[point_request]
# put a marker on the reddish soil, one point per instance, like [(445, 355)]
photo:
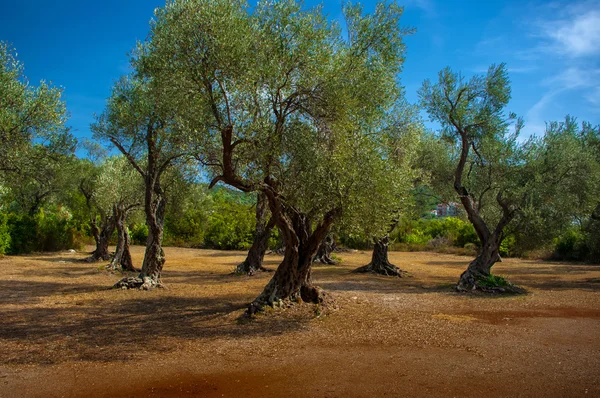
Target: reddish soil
[(63, 333)]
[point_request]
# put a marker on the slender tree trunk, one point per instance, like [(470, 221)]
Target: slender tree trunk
[(122, 258), (254, 261), (154, 257), (326, 247), (292, 279), (380, 264), (102, 237)]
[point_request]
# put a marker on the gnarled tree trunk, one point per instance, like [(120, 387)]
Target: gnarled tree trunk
[(292, 279), (122, 258), (380, 264), (326, 247), (154, 257), (254, 261), (102, 237)]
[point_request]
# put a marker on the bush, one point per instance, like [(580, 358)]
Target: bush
[(139, 234), (4, 234), (23, 233), (47, 231), (571, 245), (494, 281), (56, 231)]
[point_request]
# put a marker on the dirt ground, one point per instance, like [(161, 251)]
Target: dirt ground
[(64, 334)]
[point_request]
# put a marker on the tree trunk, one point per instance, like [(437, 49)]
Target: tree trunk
[(292, 280), (122, 258), (154, 257), (326, 247), (380, 263), (102, 237), (479, 269), (254, 261)]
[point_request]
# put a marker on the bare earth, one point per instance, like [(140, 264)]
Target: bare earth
[(63, 334)]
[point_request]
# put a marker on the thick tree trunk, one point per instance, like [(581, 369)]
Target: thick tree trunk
[(154, 257), (478, 273), (380, 263), (102, 237), (254, 261), (326, 247), (292, 280), (122, 258), (480, 268)]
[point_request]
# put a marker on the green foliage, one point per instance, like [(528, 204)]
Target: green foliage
[(4, 234), (28, 113), (139, 234), (454, 231), (494, 281), (230, 225), (23, 233), (46, 231), (572, 245)]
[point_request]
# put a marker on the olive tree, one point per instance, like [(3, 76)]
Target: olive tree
[(400, 139), (143, 126), (27, 114), (281, 102), (502, 183), (118, 191)]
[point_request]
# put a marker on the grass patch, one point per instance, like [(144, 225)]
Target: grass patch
[(494, 281)]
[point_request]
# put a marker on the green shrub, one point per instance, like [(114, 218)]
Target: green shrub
[(139, 234), (4, 234), (55, 231), (571, 245), (494, 281), (23, 233)]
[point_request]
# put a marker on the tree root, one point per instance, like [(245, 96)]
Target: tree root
[(118, 268), (382, 269), (468, 283), (307, 294), (138, 283), (243, 269)]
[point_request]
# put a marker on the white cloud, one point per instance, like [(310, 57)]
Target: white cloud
[(576, 33)]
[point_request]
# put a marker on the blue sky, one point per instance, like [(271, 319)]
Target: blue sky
[(552, 49)]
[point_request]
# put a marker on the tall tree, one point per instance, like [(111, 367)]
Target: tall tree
[(284, 104), (499, 180), (143, 126)]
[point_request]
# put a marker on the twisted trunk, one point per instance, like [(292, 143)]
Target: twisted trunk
[(326, 247), (256, 254), (122, 258), (102, 237), (292, 279), (154, 257), (479, 270), (380, 263)]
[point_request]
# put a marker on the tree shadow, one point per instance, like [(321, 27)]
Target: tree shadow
[(107, 333), (27, 292)]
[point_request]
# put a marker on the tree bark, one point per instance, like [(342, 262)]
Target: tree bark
[(254, 261), (480, 268), (122, 258), (326, 247), (154, 257), (102, 237), (292, 280), (380, 263)]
